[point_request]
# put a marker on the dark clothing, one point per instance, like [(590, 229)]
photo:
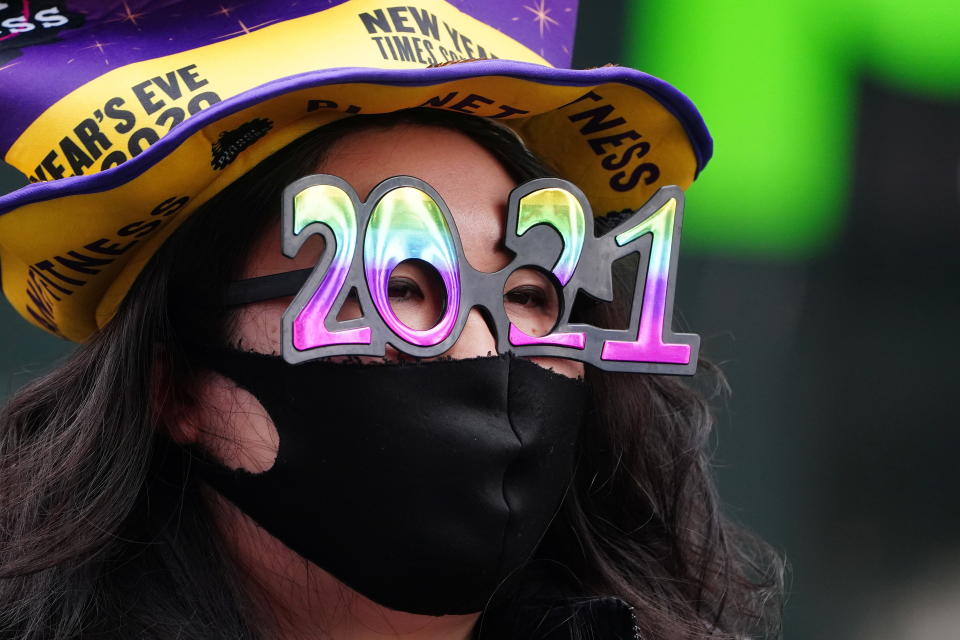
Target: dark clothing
[(586, 619), (543, 603)]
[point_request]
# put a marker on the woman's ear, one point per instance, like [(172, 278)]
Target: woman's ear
[(169, 403)]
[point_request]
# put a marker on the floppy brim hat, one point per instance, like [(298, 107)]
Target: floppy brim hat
[(127, 116)]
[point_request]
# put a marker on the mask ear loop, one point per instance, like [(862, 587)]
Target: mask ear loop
[(261, 288)]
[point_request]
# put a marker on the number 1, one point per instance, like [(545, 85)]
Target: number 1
[(649, 345)]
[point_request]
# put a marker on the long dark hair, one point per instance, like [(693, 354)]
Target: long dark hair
[(104, 532)]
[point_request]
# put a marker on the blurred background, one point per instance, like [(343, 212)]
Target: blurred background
[(821, 265)]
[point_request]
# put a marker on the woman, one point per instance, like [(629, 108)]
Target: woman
[(125, 516), (640, 521)]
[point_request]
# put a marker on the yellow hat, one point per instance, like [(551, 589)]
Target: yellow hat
[(126, 117)]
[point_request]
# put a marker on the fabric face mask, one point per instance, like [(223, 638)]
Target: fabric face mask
[(421, 486)]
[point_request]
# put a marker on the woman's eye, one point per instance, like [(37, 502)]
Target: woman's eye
[(403, 289), (526, 296)]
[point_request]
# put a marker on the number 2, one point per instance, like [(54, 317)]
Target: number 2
[(561, 210), (329, 205)]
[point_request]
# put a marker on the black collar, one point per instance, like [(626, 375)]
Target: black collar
[(603, 618), (545, 601)]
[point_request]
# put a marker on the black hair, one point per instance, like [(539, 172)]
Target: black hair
[(104, 531)]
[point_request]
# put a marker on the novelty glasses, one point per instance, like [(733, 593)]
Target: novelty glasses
[(397, 260)]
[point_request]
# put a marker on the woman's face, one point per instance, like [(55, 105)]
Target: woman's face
[(475, 187), (231, 424)]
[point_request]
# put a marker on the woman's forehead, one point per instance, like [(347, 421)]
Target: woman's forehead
[(470, 179), (450, 161)]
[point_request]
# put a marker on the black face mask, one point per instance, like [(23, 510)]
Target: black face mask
[(421, 486)]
